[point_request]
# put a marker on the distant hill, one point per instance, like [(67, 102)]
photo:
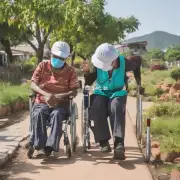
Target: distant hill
[(157, 39)]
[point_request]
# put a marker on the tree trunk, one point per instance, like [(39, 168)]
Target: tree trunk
[(7, 48), (39, 53), (72, 58)]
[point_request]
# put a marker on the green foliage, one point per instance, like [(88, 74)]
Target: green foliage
[(36, 18), (153, 91), (173, 53), (10, 94), (155, 54), (149, 82), (30, 65), (175, 74), (168, 168), (87, 26), (166, 130), (84, 25), (163, 109)]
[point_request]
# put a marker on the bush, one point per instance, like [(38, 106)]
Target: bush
[(28, 68), (163, 109), (153, 91), (30, 65), (10, 94), (175, 74)]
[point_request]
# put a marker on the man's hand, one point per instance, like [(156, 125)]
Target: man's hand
[(140, 90), (85, 67), (50, 100)]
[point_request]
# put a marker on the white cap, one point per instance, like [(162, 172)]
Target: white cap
[(61, 49), (104, 55)]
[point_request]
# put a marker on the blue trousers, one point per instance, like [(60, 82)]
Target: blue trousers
[(41, 116)]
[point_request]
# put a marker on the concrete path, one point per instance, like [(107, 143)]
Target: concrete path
[(90, 166), (10, 137)]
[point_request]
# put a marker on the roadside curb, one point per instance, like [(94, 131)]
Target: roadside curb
[(8, 154), (4, 122)]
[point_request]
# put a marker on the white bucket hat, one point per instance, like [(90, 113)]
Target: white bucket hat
[(104, 55), (61, 49)]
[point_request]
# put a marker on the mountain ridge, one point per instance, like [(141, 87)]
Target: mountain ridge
[(157, 39)]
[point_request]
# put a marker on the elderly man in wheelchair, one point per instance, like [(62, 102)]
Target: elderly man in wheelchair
[(110, 94), (53, 81)]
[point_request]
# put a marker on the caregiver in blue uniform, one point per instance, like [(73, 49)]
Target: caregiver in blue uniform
[(110, 95)]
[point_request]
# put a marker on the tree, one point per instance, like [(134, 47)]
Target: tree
[(173, 53), (37, 17), (155, 54), (87, 26), (11, 35)]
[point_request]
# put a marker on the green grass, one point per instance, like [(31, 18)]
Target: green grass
[(151, 79), (10, 93), (167, 168), (149, 82), (166, 130), (160, 109)]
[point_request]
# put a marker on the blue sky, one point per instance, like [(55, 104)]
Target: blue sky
[(154, 15)]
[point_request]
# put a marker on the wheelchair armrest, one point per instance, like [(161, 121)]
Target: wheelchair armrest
[(32, 94), (71, 98)]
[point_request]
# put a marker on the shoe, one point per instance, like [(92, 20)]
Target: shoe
[(48, 150), (105, 147), (40, 153), (119, 152), (30, 151)]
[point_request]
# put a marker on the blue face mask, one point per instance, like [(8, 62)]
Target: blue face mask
[(57, 63)]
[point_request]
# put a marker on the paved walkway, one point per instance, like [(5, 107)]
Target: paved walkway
[(10, 137), (93, 165)]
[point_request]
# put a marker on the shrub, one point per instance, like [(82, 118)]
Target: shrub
[(153, 91), (28, 68), (30, 65), (163, 109), (175, 74), (10, 94)]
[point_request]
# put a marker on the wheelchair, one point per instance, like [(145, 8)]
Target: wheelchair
[(70, 120), (139, 126), (85, 119)]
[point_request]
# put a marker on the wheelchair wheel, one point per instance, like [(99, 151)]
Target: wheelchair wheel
[(73, 130), (67, 150), (85, 130), (139, 118)]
